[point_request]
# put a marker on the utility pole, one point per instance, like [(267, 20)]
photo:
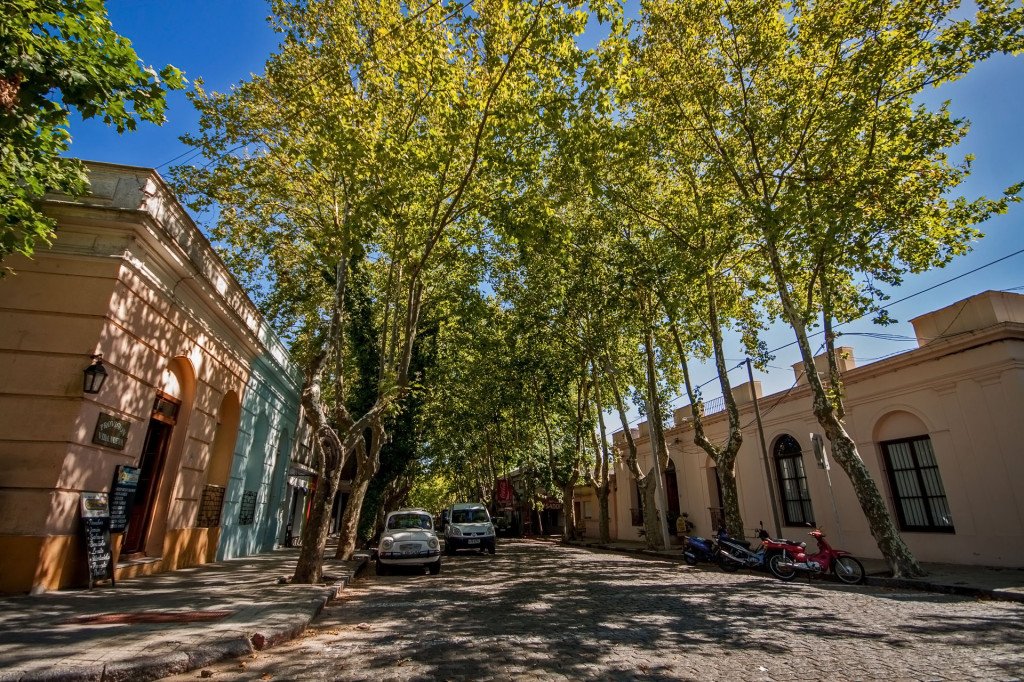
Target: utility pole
[(764, 454)]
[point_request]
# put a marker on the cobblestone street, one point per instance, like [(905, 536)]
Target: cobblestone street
[(544, 611)]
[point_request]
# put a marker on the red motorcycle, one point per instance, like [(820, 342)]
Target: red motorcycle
[(786, 558)]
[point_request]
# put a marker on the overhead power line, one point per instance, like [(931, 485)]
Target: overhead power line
[(878, 335)]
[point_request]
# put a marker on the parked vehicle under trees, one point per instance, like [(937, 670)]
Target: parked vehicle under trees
[(810, 112)]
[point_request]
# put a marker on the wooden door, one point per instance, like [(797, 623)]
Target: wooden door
[(151, 466)]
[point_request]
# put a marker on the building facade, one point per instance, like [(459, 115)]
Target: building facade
[(200, 403), (939, 428)]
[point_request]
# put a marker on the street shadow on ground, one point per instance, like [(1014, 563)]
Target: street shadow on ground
[(243, 592), (527, 613)]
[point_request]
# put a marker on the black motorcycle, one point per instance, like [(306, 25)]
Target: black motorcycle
[(735, 553)]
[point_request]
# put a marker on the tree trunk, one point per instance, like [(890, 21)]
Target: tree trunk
[(602, 463), (659, 449), (367, 462), (724, 456), (844, 449), (599, 480), (330, 452), (569, 513), (604, 530), (631, 457), (652, 516), (309, 568), (350, 519)]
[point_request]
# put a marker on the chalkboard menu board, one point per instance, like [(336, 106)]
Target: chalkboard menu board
[(96, 528), (122, 494)]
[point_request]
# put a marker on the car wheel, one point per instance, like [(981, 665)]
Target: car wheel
[(382, 568), (435, 567), (492, 549)]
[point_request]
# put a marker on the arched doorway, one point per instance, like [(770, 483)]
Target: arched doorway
[(166, 413), (151, 467)]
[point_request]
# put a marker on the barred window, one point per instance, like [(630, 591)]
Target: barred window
[(211, 506), (793, 491), (247, 510), (916, 485)]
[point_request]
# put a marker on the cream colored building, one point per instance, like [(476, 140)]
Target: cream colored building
[(939, 427), (200, 395)]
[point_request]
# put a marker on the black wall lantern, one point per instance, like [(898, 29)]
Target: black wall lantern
[(95, 375)]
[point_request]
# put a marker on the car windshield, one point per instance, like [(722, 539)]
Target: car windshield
[(469, 516), (400, 521)]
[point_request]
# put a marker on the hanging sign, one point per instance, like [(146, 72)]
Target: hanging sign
[(503, 493), (819, 451), (96, 529), (122, 495)]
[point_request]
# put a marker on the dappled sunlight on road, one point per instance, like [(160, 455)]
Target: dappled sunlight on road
[(543, 610)]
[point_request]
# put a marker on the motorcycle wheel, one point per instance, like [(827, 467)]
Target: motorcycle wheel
[(778, 567), (727, 564), (848, 570)]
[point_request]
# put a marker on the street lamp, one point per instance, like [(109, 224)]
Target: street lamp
[(95, 375)]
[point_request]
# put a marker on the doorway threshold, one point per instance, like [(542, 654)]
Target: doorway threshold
[(126, 562)]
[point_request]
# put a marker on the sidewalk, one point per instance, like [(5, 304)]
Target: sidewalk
[(1005, 584), (160, 625)]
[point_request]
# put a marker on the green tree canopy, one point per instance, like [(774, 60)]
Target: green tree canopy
[(55, 56)]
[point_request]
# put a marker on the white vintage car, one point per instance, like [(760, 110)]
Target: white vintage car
[(408, 539)]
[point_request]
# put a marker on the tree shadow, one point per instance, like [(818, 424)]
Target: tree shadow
[(523, 612)]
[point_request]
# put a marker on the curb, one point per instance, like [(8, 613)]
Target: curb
[(871, 581), (955, 590), (184, 661)]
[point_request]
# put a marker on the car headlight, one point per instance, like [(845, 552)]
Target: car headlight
[(432, 543), (454, 530), (387, 543)]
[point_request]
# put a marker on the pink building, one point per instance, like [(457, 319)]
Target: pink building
[(200, 401), (939, 427)]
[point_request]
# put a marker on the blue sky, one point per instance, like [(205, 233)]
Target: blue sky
[(223, 41)]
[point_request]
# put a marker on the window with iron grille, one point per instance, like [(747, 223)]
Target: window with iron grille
[(789, 469), (210, 507), (247, 511), (916, 485)]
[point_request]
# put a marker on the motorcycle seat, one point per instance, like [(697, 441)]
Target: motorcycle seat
[(735, 541)]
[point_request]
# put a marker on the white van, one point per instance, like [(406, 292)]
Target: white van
[(468, 527)]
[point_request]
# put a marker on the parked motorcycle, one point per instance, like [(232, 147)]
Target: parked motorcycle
[(697, 549), (787, 558), (734, 554)]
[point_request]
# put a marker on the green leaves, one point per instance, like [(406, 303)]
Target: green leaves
[(56, 55), (543, 203)]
